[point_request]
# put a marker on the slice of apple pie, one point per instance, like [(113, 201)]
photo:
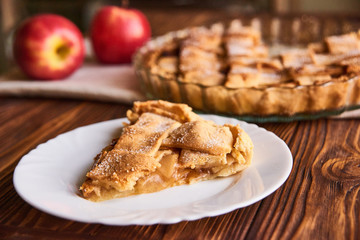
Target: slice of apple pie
[(165, 145)]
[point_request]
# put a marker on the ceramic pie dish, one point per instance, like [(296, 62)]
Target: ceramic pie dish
[(262, 70)]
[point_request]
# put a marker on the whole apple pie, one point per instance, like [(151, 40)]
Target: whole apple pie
[(228, 69), (165, 145)]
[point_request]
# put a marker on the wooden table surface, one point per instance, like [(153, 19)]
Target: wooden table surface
[(320, 199)]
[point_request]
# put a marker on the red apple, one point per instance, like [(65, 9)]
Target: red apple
[(117, 32), (48, 47)]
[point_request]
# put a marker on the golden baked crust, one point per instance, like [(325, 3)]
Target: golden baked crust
[(165, 145), (178, 112), (228, 69)]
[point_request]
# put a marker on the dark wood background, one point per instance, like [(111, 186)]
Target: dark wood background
[(320, 199)]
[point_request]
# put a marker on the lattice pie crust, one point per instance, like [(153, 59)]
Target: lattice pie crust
[(165, 145), (228, 69)]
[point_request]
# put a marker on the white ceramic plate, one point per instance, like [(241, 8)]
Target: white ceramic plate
[(49, 176)]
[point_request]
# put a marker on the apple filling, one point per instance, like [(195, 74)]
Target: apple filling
[(157, 152)]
